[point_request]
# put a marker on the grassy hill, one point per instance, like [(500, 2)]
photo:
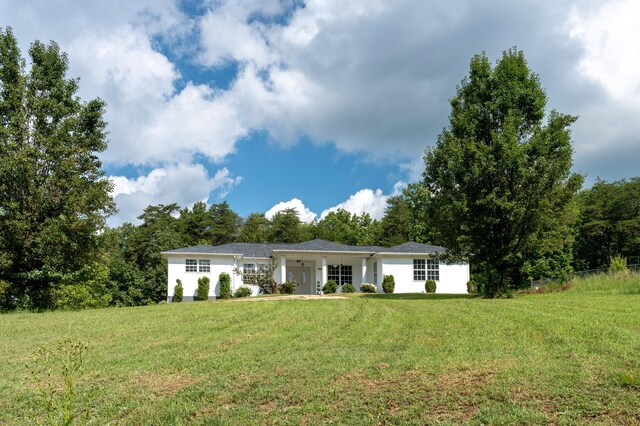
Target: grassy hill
[(565, 358)]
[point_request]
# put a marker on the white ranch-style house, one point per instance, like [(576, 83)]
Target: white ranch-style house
[(312, 263)]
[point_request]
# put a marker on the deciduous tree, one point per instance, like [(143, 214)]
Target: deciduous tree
[(53, 194), (500, 185)]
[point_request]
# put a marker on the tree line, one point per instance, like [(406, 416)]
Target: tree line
[(497, 189)]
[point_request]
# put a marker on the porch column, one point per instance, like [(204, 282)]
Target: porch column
[(283, 269), (364, 270), (233, 274), (324, 270)]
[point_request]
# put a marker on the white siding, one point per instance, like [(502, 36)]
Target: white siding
[(453, 278)]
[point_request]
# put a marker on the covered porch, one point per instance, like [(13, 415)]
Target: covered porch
[(311, 271)]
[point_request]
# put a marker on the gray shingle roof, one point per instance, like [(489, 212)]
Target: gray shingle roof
[(266, 250)]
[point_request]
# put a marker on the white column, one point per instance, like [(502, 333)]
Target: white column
[(283, 269), (233, 274), (324, 270), (364, 270)]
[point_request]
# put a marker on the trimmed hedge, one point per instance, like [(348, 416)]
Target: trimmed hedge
[(388, 284), (243, 291), (178, 292), (225, 285), (368, 288), (287, 287), (430, 286), (330, 287), (348, 288), (203, 288)]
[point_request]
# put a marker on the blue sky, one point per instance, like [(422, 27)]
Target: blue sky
[(322, 104)]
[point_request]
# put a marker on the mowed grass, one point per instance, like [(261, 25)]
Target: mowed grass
[(561, 358)]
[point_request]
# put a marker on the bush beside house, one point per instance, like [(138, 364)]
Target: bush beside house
[(348, 288), (243, 291), (225, 285), (430, 286), (178, 291), (330, 287), (368, 288), (388, 284), (287, 287), (203, 288)]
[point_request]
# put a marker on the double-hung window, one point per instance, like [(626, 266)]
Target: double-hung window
[(419, 270), (249, 268), (191, 265), (341, 274), (204, 265), (433, 269), (426, 269)]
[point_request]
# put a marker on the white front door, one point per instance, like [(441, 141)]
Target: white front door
[(302, 279)]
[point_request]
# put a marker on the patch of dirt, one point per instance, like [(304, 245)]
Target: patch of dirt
[(287, 297), (451, 396), (163, 385)]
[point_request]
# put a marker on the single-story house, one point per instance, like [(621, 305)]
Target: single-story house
[(312, 263)]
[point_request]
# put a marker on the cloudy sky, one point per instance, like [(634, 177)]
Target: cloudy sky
[(323, 104)]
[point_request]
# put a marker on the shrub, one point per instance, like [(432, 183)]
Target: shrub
[(287, 287), (330, 287), (618, 264), (430, 286), (243, 291), (388, 284), (203, 288), (368, 288), (348, 288), (472, 287), (178, 291), (225, 285)]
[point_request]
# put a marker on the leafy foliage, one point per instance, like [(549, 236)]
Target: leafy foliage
[(53, 194), (262, 277), (472, 287), (288, 287), (368, 288), (618, 264), (242, 291), (501, 190), (178, 292), (388, 284), (348, 288), (330, 287), (609, 224), (430, 286), (225, 285), (203, 288)]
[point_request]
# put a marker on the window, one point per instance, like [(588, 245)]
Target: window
[(341, 274), (249, 268), (433, 269), (191, 265), (419, 270), (426, 269), (375, 273), (204, 265)]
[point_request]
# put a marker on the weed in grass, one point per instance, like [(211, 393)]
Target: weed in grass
[(627, 380), (55, 373)]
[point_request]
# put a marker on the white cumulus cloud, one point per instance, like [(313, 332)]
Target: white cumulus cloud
[(183, 184), (305, 214)]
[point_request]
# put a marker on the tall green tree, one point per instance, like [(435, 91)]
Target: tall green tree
[(340, 226), (396, 223), (54, 197), (501, 190), (286, 227), (225, 224), (609, 224), (158, 232), (254, 229)]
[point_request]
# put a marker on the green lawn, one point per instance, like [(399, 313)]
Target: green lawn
[(564, 358)]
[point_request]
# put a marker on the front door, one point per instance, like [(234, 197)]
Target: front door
[(302, 279)]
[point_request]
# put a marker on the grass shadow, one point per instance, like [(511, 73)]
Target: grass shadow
[(418, 296)]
